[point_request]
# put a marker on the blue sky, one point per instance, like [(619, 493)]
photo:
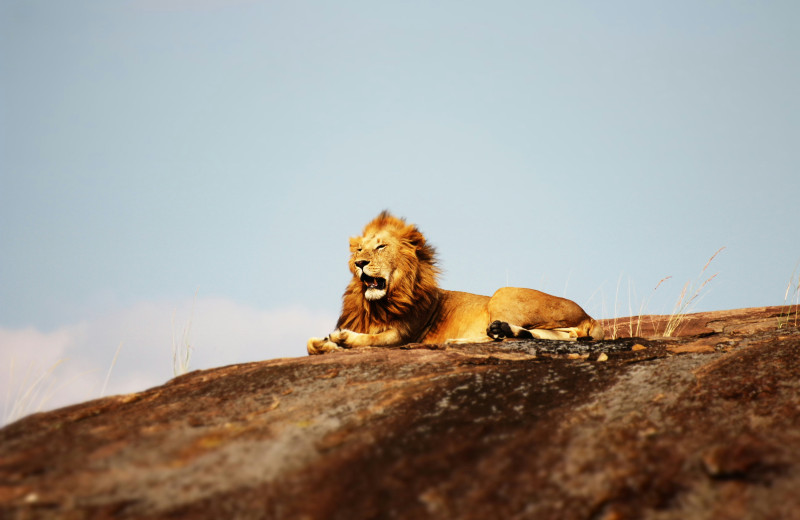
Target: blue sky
[(151, 150)]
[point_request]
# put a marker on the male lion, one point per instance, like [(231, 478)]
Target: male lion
[(394, 299)]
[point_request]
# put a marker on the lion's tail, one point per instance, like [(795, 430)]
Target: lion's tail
[(595, 330)]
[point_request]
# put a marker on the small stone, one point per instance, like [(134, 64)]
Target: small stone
[(602, 357), (638, 346)]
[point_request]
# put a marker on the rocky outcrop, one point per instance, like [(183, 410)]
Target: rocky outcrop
[(704, 425)]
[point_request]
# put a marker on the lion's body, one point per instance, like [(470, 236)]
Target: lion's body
[(461, 316), (394, 298)]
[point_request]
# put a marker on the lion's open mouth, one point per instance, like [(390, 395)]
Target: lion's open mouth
[(373, 283)]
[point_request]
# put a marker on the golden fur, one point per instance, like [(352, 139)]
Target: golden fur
[(394, 298)]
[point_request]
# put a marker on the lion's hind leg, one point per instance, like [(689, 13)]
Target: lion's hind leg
[(500, 330), (528, 313)]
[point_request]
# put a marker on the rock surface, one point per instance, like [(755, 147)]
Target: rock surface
[(704, 425)]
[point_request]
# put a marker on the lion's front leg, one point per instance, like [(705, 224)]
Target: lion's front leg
[(343, 338), (349, 339)]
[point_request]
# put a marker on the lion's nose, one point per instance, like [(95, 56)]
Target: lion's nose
[(361, 263)]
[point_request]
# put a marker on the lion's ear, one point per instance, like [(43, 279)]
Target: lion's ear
[(413, 236), (425, 252)]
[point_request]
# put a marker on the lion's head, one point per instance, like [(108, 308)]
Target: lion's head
[(394, 271)]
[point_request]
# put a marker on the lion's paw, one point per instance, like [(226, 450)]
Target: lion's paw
[(341, 337), (499, 330), (321, 346)]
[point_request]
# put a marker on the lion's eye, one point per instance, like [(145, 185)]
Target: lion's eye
[(380, 247)]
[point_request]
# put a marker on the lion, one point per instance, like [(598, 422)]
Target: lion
[(394, 299)]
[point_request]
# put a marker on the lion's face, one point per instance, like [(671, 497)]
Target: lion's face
[(393, 268), (374, 261)]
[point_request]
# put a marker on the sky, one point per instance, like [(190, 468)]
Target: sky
[(190, 171)]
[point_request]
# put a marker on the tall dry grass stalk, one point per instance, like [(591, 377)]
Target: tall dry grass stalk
[(182, 349), (637, 331), (30, 394), (689, 297), (110, 369), (791, 298), (635, 320)]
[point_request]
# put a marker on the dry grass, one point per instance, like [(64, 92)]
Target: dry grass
[(637, 331), (634, 320), (110, 369), (791, 299), (689, 297), (182, 349), (31, 393)]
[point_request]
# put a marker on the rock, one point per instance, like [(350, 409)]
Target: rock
[(741, 321), (704, 425)]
